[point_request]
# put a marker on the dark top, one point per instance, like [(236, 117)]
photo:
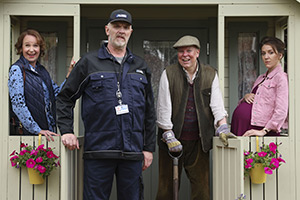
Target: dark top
[(108, 135)]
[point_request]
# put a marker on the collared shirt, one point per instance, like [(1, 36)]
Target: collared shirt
[(16, 92), (164, 104)]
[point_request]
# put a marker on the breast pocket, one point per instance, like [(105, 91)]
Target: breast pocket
[(139, 83), (103, 85), (268, 91)]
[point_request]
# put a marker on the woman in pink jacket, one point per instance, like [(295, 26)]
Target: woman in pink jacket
[(264, 111)]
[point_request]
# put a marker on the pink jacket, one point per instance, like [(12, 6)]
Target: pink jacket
[(270, 106)]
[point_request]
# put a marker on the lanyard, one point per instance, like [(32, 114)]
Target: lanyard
[(119, 93), (119, 78)]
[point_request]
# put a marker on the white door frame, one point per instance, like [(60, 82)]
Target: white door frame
[(71, 10), (267, 10)]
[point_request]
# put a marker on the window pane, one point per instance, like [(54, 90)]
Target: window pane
[(158, 55), (247, 62), (50, 57)]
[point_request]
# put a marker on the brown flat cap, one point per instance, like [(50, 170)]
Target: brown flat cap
[(187, 40)]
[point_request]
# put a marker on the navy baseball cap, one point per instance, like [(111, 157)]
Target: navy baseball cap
[(120, 15)]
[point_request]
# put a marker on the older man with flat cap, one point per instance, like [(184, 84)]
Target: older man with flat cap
[(117, 111), (189, 109)]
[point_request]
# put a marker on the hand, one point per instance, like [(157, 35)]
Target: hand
[(224, 133), (173, 144), (249, 98), (148, 158), (48, 134), (70, 141), (72, 64), (253, 132)]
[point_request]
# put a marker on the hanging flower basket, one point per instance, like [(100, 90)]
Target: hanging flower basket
[(262, 162), (34, 176), (257, 174), (39, 161)]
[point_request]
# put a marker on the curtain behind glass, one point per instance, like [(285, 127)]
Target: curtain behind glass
[(247, 61)]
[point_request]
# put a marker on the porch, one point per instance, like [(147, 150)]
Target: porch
[(66, 182)]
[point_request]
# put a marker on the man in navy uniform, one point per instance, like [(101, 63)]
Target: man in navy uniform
[(117, 111)]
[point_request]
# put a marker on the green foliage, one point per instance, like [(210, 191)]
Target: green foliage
[(41, 159), (267, 156)]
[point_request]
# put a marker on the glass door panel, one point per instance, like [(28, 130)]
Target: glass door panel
[(244, 60), (247, 62), (158, 55), (50, 57), (156, 47)]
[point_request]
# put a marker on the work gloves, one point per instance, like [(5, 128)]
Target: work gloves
[(224, 133), (173, 144)]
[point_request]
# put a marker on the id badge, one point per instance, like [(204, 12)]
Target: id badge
[(122, 109)]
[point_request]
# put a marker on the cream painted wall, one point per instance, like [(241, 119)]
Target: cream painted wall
[(2, 136), (295, 111)]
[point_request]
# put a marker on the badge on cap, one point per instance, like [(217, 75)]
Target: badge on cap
[(121, 16)]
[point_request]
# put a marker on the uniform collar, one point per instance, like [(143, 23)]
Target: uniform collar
[(104, 54)]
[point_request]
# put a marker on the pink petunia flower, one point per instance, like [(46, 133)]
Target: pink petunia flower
[(249, 160), (41, 147), (23, 152), (248, 166), (50, 154), (13, 163), (262, 154), (274, 163), (13, 153), (33, 152), (280, 160), (14, 157), (12, 160), (268, 170), (41, 169), (30, 163), (39, 160), (273, 147), (23, 145), (55, 156), (246, 153)]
